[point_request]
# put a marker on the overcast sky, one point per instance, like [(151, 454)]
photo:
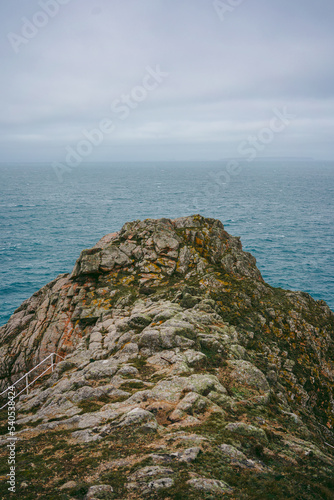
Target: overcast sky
[(166, 79)]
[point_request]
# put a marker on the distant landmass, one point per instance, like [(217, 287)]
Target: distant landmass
[(273, 158)]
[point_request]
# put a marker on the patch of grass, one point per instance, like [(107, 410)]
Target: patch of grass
[(119, 399), (138, 363), (213, 427), (89, 406), (145, 370), (118, 480), (3, 429), (80, 491), (32, 411), (57, 419), (157, 377), (214, 359), (3, 413), (104, 399), (128, 376), (37, 422), (133, 385)]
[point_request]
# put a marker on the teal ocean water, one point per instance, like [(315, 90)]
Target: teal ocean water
[(283, 212)]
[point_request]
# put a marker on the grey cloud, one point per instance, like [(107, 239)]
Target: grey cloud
[(224, 80)]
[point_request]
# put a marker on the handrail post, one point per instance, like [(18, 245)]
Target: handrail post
[(25, 377)]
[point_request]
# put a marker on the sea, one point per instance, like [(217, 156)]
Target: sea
[(283, 210)]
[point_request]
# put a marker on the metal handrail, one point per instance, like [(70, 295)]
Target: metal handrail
[(53, 357)]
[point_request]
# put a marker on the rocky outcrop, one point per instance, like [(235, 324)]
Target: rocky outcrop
[(183, 372)]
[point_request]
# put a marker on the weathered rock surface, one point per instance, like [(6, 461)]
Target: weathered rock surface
[(183, 374)]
